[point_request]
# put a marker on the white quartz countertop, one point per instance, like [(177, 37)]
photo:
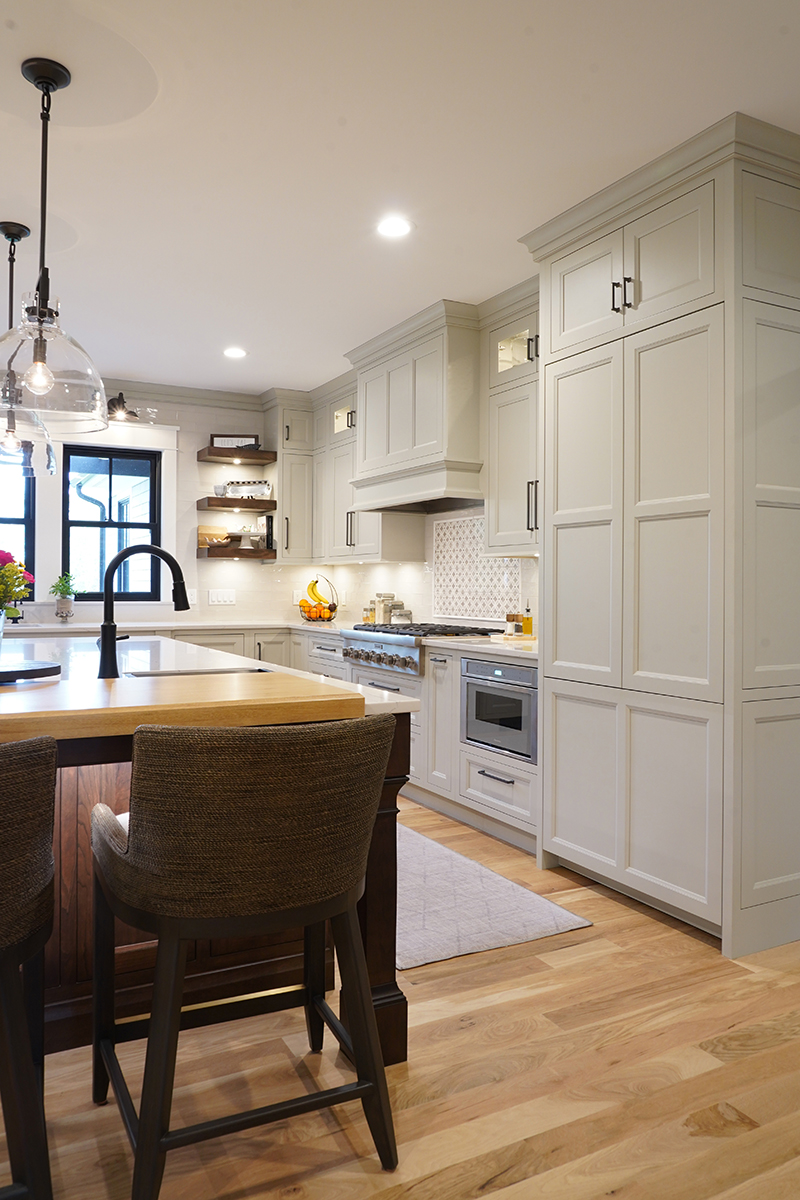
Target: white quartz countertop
[(80, 658), (495, 646)]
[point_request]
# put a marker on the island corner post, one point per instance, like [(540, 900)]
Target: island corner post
[(94, 769)]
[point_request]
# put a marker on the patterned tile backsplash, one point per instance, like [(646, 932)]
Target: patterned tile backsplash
[(467, 583)]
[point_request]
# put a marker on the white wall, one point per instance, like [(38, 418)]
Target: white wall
[(263, 591)]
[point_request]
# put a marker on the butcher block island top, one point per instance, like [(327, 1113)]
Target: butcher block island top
[(184, 685)]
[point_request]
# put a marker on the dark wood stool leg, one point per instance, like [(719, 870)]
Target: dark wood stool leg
[(33, 990), (314, 979), (14, 1139), (364, 1033), (103, 990), (159, 1066), (25, 1096)]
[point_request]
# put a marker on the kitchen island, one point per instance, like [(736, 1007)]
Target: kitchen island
[(168, 682)]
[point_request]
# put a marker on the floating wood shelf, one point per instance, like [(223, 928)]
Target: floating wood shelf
[(236, 552), (242, 456), (231, 503)]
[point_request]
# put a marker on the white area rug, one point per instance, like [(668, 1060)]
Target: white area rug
[(448, 905)]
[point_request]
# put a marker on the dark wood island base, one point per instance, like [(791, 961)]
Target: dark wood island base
[(95, 769)]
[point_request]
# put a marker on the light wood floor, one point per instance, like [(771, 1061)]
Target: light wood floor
[(628, 1059)]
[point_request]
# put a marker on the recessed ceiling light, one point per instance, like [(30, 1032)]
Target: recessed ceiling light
[(235, 352), (394, 226)]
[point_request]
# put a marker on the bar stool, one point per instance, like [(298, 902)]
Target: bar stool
[(238, 833), (27, 798)]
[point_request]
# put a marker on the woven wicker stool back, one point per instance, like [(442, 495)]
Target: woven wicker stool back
[(27, 801), (28, 773), (232, 822)]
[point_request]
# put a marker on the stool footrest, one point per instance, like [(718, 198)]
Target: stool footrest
[(216, 1012), (335, 1025), (264, 1116)]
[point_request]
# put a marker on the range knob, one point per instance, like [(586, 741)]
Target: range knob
[(347, 652), (363, 655), (406, 662), (374, 656), (390, 659)]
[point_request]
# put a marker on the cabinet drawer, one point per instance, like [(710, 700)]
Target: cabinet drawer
[(500, 788), (324, 652)]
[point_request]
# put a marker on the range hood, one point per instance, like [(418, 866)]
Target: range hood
[(417, 423)]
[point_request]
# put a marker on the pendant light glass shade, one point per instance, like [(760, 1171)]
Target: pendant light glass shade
[(45, 371), (25, 441)]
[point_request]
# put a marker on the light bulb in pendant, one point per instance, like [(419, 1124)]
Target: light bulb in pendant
[(10, 441), (38, 378)]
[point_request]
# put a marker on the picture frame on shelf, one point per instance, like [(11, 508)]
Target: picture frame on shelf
[(235, 441)]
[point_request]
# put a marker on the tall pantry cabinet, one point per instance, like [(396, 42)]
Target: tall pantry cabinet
[(670, 690)]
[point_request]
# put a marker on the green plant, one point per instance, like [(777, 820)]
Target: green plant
[(63, 586)]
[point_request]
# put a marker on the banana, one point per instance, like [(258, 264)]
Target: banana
[(315, 593)]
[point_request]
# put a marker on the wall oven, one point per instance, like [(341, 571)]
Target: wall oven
[(499, 705)]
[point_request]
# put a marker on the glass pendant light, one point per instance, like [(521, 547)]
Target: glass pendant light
[(46, 371), (24, 431)]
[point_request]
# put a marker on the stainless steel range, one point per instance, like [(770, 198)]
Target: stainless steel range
[(397, 647)]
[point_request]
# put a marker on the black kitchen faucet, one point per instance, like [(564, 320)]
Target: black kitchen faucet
[(108, 630)]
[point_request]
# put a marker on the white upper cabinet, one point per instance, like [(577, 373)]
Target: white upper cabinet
[(583, 517), (674, 508), (770, 235), (294, 506), (297, 429), (660, 261), (513, 497), (771, 437), (514, 350)]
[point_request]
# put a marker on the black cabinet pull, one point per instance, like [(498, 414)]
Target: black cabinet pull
[(351, 418), (614, 306), (444, 660), (286, 533), (533, 348), (349, 539), (286, 435), (536, 504), (383, 686), (498, 778), (528, 515), (258, 644), (626, 303)]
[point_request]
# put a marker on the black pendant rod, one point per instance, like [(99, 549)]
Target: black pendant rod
[(48, 76), (13, 232), (43, 189)]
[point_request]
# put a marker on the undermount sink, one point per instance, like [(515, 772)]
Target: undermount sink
[(200, 671)]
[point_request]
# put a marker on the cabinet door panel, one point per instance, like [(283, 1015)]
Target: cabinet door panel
[(373, 429), (295, 532), (771, 557), (673, 806), (509, 347), (512, 466), (770, 863), (428, 401), (669, 254), (400, 380), (340, 500), (581, 292), (581, 774), (320, 505), (231, 643), (440, 717), (583, 512), (770, 235), (298, 429), (673, 581)]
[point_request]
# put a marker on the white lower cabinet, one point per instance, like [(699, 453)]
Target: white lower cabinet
[(231, 643), (271, 647), (770, 860), (298, 650), (325, 655), (634, 791), (442, 678), (497, 786), (407, 686)]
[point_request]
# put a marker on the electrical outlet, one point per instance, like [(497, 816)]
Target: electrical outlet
[(297, 595), (221, 596), (191, 596), (343, 599)]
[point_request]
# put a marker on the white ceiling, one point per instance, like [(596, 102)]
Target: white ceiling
[(218, 168)]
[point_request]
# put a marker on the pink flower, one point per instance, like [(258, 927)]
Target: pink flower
[(5, 558), (26, 575)]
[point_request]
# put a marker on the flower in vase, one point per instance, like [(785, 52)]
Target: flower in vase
[(15, 583)]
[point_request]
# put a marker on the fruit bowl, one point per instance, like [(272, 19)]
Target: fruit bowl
[(318, 608)]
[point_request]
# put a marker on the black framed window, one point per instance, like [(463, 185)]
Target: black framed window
[(17, 511), (111, 500)]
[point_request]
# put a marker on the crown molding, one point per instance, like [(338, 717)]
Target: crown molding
[(151, 394), (334, 389), (441, 315), (514, 301), (735, 136)]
